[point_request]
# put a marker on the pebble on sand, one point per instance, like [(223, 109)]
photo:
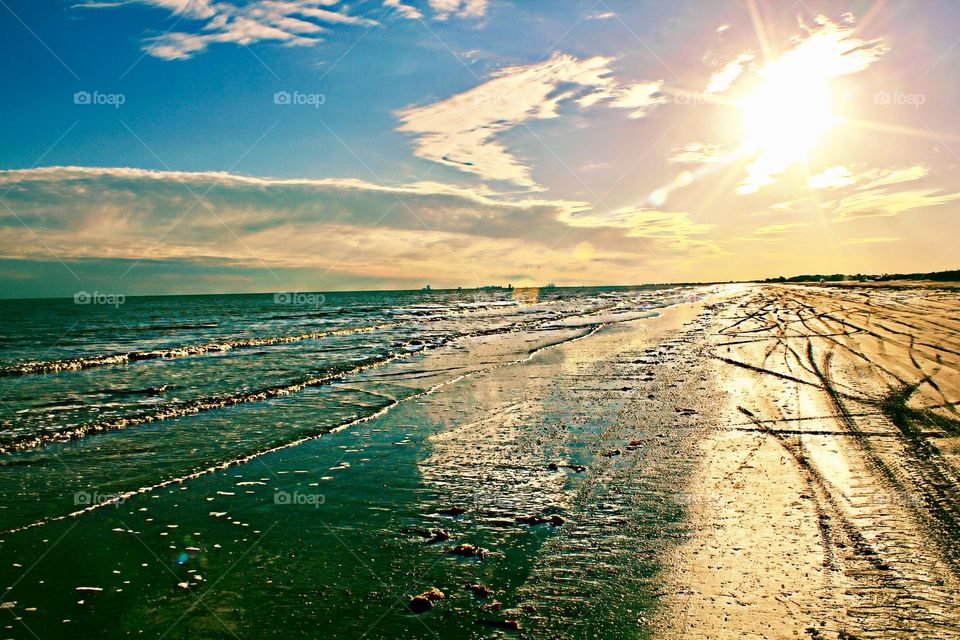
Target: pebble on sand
[(434, 535), (469, 551), (438, 535), (479, 590), (424, 601), (554, 519)]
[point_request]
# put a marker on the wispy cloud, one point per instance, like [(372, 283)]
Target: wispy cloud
[(837, 48), (876, 240), (698, 153), (841, 176), (723, 79), (405, 10), (779, 229), (201, 23), (868, 194), (832, 178), (462, 131), (638, 98), (788, 208), (882, 202), (601, 15), (677, 228), (363, 229), (885, 177), (444, 9)]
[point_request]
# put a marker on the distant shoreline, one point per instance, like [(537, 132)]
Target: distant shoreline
[(947, 278)]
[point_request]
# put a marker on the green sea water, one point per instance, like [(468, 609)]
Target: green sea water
[(289, 481)]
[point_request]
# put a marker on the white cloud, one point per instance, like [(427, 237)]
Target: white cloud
[(601, 15), (698, 153), (290, 22), (873, 240), (12, 178), (638, 98), (676, 228), (444, 9), (779, 229), (404, 10), (721, 80), (832, 178), (867, 194), (835, 49), (199, 9), (358, 228), (462, 131), (882, 203), (840, 176), (886, 177)]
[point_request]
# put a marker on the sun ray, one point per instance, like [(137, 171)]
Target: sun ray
[(760, 29), (871, 13)]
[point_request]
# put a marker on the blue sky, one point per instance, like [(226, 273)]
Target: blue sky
[(463, 142)]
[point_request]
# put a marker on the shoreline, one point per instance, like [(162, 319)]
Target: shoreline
[(736, 466), (821, 521)]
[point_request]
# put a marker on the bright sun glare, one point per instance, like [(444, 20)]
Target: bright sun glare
[(786, 116)]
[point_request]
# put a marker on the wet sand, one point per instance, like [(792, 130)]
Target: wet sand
[(830, 495), (761, 461)]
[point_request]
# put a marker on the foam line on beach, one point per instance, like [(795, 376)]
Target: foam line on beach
[(88, 362), (200, 405), (126, 495)]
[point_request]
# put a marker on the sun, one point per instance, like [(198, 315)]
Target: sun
[(786, 115)]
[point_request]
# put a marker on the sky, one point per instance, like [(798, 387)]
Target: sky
[(215, 146)]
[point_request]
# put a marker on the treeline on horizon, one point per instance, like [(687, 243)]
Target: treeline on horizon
[(937, 276)]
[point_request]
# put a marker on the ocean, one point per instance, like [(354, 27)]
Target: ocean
[(261, 465)]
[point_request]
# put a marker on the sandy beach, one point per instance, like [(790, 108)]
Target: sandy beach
[(761, 461), (829, 488), (480, 319)]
